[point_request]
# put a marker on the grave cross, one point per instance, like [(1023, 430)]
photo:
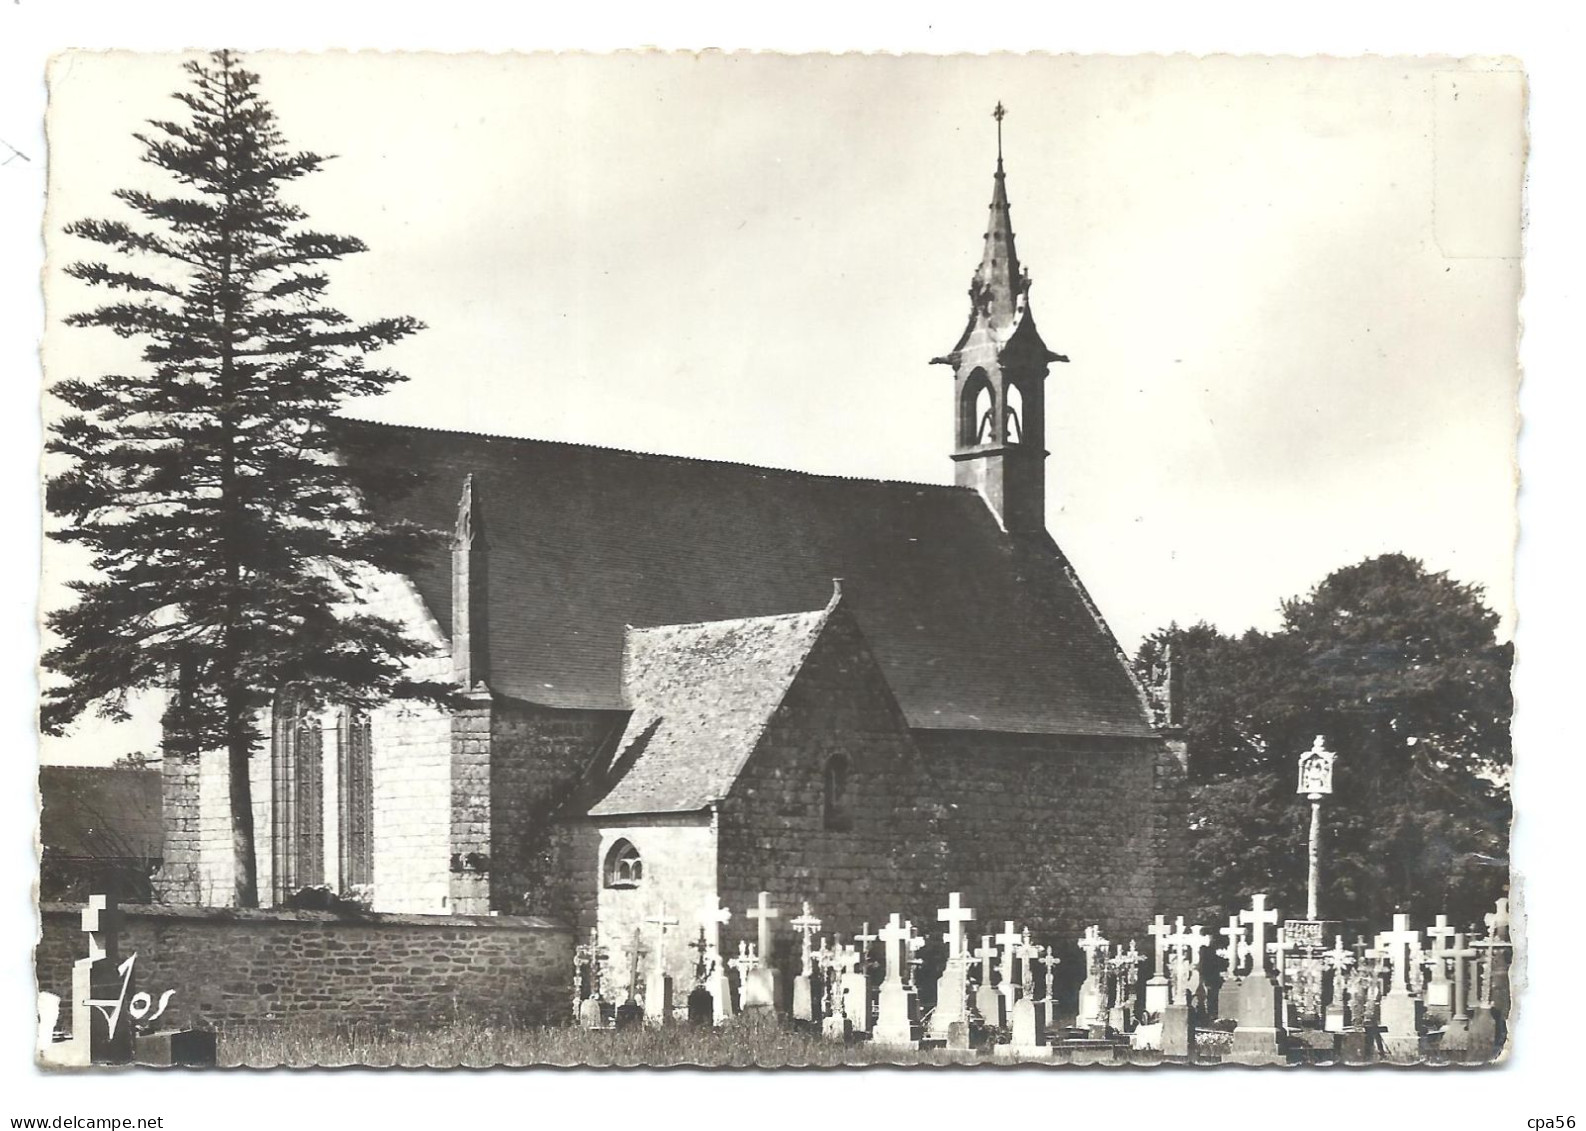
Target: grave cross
[(1049, 961), (1236, 949), (806, 925), (1090, 944), (1008, 940), (1441, 935), (864, 938), (1398, 944), (746, 961), (893, 936), (1258, 916), (1027, 952), (914, 943), (1196, 941), (986, 953), (1340, 958), (1159, 932), (1461, 954), (1484, 973), (703, 947), (763, 914), (712, 915), (661, 921), (1497, 921), (955, 916)]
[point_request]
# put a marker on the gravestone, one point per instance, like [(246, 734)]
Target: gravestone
[(1256, 1035), (1092, 1012), (896, 1025), (803, 985), (762, 989), (952, 988), (1486, 1030), (1437, 992), (1399, 1010), (717, 981), (1456, 1033), (1049, 962), (988, 1000), (856, 982), (1158, 989), (1008, 984), (658, 986), (1336, 962), (1498, 924), (744, 966), (1124, 993)]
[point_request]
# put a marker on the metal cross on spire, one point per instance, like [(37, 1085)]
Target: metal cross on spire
[(999, 113)]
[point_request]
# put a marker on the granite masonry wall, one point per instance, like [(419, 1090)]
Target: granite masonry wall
[(537, 755), (231, 966), (887, 850)]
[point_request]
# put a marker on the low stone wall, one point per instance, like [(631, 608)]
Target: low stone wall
[(232, 966)]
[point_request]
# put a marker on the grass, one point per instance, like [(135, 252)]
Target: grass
[(742, 1043)]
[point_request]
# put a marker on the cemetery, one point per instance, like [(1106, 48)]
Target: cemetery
[(1277, 992)]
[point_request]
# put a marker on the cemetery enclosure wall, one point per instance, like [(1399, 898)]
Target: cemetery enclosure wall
[(231, 966), (1060, 831)]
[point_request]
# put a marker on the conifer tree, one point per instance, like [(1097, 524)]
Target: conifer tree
[(228, 543)]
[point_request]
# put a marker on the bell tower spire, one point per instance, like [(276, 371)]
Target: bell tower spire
[(999, 374)]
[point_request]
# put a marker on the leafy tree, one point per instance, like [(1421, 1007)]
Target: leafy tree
[(228, 544), (1401, 671)]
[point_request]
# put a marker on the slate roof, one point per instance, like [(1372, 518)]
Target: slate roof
[(100, 812), (972, 628), (702, 695)]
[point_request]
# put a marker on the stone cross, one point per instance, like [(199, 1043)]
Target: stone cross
[(746, 961), (985, 954), (1258, 916), (703, 947), (661, 921), (1399, 943), (1441, 934), (894, 935), (806, 925), (763, 914), (711, 916), (1340, 958), (1236, 949), (1461, 954), (1159, 931), (1050, 961), (955, 916), (1007, 941), (1090, 944), (1497, 921), (1196, 941), (1484, 981), (1027, 953), (913, 943), (863, 940)]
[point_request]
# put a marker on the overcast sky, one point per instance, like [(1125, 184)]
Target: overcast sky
[(1287, 287)]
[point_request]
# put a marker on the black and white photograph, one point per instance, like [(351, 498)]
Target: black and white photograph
[(781, 561)]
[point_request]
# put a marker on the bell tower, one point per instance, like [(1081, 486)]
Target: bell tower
[(999, 378)]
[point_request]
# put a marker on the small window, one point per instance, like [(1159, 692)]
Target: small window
[(836, 814), (624, 869)]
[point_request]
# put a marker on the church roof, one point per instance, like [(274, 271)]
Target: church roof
[(701, 694), (973, 628)]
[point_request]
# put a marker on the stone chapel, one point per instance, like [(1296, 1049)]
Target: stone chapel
[(685, 681)]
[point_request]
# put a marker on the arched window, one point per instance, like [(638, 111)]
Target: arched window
[(835, 812), (355, 797), (624, 868), (977, 414), (1014, 430), (297, 775)]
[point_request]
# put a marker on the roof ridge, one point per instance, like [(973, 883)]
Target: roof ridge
[(724, 621), (635, 454)]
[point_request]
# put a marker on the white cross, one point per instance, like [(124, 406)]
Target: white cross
[(986, 953), (893, 936), (955, 916), (1497, 921), (1257, 916), (1050, 960), (711, 916), (1340, 958), (746, 961), (1236, 949), (1459, 952), (1159, 931), (1090, 944), (1441, 935), (806, 925), (1399, 942), (763, 914), (1008, 940)]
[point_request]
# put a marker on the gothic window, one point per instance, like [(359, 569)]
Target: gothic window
[(624, 869), (1014, 417), (977, 417), (835, 808), (297, 776), (355, 798)]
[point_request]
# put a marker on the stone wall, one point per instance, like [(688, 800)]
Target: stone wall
[(888, 854), (231, 966), (537, 756)]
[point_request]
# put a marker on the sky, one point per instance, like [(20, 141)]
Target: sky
[(1287, 287)]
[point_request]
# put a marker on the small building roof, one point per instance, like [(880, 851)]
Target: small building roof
[(702, 695)]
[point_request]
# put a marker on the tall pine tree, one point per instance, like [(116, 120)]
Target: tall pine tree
[(228, 543)]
